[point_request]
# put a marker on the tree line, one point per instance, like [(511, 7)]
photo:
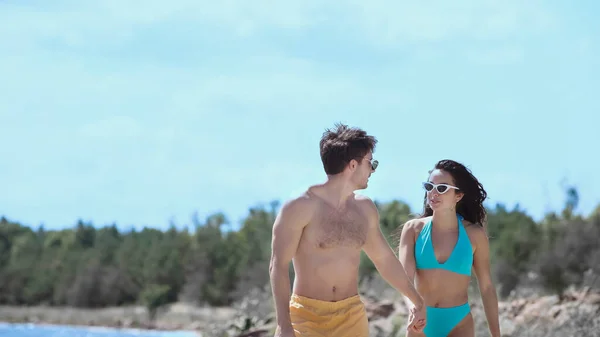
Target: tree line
[(205, 263)]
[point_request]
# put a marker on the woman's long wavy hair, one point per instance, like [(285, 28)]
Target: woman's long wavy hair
[(470, 205)]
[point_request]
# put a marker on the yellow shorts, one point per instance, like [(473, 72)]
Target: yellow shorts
[(316, 318)]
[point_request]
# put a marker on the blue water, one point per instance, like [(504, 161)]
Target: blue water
[(32, 330)]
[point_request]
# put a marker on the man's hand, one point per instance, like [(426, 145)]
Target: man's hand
[(287, 331), (417, 318)]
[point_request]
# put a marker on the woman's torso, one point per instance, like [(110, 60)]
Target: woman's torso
[(443, 279)]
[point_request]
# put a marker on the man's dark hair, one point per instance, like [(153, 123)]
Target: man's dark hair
[(342, 144)]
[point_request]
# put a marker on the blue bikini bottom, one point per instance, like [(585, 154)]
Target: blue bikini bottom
[(441, 321)]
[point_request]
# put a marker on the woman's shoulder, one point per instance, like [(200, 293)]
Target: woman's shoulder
[(475, 228), (475, 231)]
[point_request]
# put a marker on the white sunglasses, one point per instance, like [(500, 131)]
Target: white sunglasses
[(440, 188)]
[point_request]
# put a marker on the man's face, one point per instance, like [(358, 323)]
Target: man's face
[(364, 170)]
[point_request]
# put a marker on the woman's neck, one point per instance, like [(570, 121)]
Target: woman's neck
[(445, 220)]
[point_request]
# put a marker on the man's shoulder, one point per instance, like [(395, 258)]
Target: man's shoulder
[(363, 198), (301, 202), (296, 210), (366, 203)]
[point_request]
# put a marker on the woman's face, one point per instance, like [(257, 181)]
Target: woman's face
[(442, 193)]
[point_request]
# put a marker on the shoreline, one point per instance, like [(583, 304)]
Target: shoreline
[(177, 317), (100, 327)]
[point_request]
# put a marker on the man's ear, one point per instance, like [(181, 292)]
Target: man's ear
[(353, 165)]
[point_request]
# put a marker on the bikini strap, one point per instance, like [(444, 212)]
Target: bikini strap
[(461, 226)]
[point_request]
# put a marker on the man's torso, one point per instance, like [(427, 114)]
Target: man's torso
[(328, 255)]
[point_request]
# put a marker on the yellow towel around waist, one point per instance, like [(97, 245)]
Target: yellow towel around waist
[(316, 318)]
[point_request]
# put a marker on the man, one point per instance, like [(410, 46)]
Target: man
[(323, 232)]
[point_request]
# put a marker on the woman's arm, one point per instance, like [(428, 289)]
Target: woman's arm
[(481, 266)]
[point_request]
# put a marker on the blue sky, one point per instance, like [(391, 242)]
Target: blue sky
[(143, 112)]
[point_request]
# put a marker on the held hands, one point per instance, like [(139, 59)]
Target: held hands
[(417, 318)]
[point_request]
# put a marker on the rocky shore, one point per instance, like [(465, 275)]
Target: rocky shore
[(576, 313)]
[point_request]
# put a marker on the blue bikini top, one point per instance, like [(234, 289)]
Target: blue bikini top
[(460, 260)]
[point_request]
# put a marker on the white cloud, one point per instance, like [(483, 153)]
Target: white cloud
[(111, 128), (380, 22), (394, 22), (496, 55)]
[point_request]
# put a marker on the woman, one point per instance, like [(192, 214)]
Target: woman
[(441, 247)]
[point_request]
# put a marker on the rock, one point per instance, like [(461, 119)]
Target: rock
[(379, 310), (255, 333), (538, 309), (593, 299), (195, 326), (507, 326)]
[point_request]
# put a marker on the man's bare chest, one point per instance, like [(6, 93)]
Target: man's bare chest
[(344, 229)]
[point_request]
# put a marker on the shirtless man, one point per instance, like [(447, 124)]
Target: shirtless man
[(323, 232)]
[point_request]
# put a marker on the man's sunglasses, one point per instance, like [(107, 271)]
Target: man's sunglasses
[(374, 164), (440, 188)]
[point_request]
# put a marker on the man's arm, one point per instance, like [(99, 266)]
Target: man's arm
[(406, 255), (481, 266), (388, 266), (287, 231)]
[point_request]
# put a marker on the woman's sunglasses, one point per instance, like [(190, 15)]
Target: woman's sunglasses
[(440, 188)]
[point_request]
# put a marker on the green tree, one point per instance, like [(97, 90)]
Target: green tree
[(514, 238)]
